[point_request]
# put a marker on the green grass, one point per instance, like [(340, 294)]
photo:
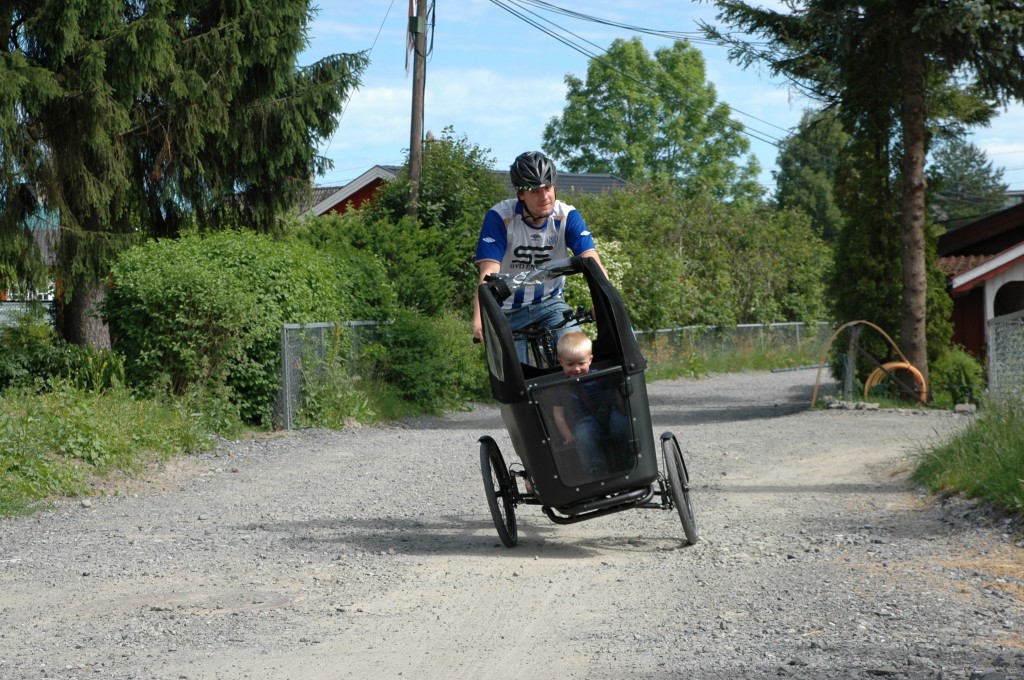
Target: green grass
[(62, 442), (666, 364), (985, 461)]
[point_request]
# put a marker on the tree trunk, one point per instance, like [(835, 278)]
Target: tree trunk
[(913, 337), (81, 323)]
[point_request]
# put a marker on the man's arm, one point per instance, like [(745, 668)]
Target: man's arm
[(486, 267)]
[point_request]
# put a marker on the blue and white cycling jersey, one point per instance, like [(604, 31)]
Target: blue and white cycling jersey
[(519, 246)]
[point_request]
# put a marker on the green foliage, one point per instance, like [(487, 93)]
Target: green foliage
[(365, 283), (807, 171), (59, 442), (330, 388), (420, 262), (893, 72), (963, 185), (431, 262), (133, 119), (31, 355), (958, 375), (639, 117), (208, 312), (432, 363), (983, 461), (692, 260)]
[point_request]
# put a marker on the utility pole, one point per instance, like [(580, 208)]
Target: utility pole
[(418, 35)]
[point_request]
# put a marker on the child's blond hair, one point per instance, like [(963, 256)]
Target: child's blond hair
[(574, 343)]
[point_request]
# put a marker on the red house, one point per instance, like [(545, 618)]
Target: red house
[(984, 265)]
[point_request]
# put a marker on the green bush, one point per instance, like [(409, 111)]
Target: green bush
[(31, 355), (959, 375), (433, 363), (367, 286), (208, 311)]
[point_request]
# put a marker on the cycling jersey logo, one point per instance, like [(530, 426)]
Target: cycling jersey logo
[(529, 257)]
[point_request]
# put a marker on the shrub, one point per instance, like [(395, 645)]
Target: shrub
[(56, 443), (31, 355), (366, 285), (208, 311), (433, 363), (958, 374)]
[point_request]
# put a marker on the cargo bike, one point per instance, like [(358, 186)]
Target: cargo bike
[(614, 469)]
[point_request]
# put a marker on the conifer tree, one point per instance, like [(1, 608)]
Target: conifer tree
[(123, 119)]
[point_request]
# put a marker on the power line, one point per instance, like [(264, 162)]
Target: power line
[(369, 53), (599, 53)]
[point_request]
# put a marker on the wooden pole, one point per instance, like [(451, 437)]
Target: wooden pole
[(418, 32)]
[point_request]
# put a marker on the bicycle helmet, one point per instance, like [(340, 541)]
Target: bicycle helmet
[(532, 170)]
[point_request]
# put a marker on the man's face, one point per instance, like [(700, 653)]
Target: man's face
[(539, 202), (576, 364)]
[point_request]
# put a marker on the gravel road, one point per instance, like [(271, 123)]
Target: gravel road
[(370, 553)]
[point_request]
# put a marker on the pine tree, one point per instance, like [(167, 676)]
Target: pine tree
[(135, 118), (876, 62)]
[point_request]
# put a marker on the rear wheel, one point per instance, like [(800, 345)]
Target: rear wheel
[(498, 488), (679, 485)]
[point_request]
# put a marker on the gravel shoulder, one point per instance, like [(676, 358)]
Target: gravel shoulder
[(370, 553)]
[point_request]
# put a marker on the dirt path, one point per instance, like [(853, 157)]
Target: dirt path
[(371, 554)]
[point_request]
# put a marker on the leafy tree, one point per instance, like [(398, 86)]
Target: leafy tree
[(431, 262), (130, 119), (638, 117), (806, 177), (878, 63), (714, 263), (964, 185)]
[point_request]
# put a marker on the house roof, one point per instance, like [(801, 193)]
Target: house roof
[(988, 236), (952, 265), (990, 267), (326, 197), (576, 182)]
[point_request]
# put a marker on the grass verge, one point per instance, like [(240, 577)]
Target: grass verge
[(57, 443), (984, 462)]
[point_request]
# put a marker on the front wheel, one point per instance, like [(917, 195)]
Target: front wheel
[(679, 485), (498, 488)]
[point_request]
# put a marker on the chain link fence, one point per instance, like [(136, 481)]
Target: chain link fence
[(11, 312), (672, 343), (304, 350), (1006, 357)]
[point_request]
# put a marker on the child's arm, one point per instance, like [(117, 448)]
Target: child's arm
[(563, 427)]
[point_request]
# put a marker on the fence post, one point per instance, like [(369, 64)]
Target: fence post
[(853, 348)]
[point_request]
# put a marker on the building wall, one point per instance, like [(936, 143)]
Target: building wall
[(969, 322), (357, 199), (1013, 275)]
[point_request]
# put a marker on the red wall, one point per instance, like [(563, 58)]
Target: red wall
[(969, 321)]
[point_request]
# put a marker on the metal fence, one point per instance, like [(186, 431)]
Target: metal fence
[(12, 311), (670, 343), (305, 348), (1006, 357)]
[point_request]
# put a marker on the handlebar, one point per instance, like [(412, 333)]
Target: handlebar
[(539, 330), (503, 284)]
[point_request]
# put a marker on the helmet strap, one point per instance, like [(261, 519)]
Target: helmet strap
[(529, 214)]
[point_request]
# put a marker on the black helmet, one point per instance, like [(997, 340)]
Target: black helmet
[(532, 170)]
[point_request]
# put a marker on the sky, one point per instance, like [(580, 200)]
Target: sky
[(497, 80)]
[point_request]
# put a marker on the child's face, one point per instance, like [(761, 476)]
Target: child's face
[(575, 364)]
